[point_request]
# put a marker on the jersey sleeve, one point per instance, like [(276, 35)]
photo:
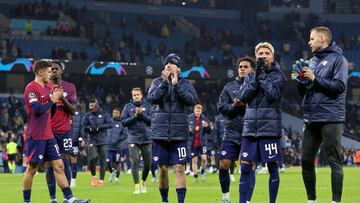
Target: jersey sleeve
[(31, 95), (72, 94)]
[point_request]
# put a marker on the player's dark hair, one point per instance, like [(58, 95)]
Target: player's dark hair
[(248, 59), (137, 89), (39, 65), (58, 63), (93, 100), (117, 109)]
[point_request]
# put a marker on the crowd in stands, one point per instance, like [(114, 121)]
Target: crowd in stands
[(80, 24), (289, 36), (204, 4), (62, 54), (10, 49)]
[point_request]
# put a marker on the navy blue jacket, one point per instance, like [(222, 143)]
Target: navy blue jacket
[(124, 144), (234, 115), (78, 131), (117, 134), (170, 121), (138, 127), (263, 99), (204, 132), (220, 128), (213, 139), (95, 125), (325, 101)]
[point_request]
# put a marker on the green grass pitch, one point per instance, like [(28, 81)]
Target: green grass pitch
[(291, 189)]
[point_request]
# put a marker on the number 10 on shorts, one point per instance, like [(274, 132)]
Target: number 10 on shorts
[(182, 152), (271, 147)]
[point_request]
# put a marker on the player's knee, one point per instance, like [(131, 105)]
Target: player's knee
[(273, 166), (203, 158), (307, 165), (225, 164), (246, 168), (32, 168), (180, 168), (163, 170), (58, 167)]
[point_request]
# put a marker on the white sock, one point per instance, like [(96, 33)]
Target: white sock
[(311, 201), (71, 200), (226, 195), (334, 202)]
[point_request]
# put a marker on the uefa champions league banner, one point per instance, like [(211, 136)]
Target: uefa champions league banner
[(98, 68)]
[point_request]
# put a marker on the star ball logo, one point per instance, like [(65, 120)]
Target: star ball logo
[(101, 68), (12, 65), (196, 69)]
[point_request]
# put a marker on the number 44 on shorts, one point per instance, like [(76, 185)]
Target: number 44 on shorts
[(271, 148)]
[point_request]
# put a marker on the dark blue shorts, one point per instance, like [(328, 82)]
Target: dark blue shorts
[(40, 151), (65, 142), (113, 156), (211, 147), (230, 150), (198, 151), (125, 152), (262, 149), (170, 153)]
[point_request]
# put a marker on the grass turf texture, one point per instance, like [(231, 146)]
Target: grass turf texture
[(291, 188)]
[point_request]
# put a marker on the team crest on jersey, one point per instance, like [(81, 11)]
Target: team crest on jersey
[(100, 116), (245, 154), (223, 153), (117, 125), (156, 158), (41, 157), (65, 94), (324, 63)]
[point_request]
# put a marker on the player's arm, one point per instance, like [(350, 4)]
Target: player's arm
[(186, 93), (37, 108), (272, 86), (126, 118), (226, 106), (122, 135), (70, 107), (248, 89), (146, 115), (191, 127), (107, 124), (336, 84), (207, 129), (85, 124), (157, 91)]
